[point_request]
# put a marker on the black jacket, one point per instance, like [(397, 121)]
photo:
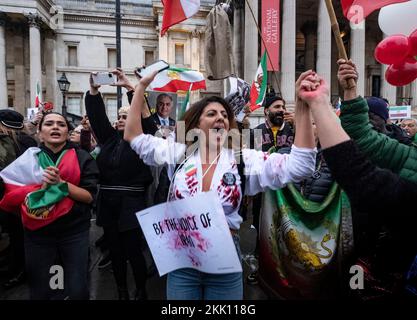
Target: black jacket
[(285, 137), (119, 166), (395, 132), (78, 219), (317, 187), (158, 122), (388, 199)]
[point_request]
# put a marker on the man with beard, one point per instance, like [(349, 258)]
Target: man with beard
[(277, 132)]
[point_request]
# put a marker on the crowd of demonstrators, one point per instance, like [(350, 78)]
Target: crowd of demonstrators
[(212, 162), (57, 166), (384, 194), (123, 182), (379, 117), (59, 181), (13, 143)]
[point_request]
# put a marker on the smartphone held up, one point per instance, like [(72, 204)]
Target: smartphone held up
[(104, 78), (158, 66)]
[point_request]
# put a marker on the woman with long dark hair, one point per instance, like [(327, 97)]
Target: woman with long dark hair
[(53, 186), (211, 164)]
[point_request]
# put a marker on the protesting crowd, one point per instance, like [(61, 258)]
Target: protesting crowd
[(51, 182), (330, 191)]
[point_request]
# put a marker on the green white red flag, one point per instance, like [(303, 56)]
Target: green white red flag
[(38, 98), (185, 105), (23, 187), (178, 79), (259, 85)]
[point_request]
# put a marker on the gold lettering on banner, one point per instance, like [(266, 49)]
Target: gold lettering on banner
[(271, 29)]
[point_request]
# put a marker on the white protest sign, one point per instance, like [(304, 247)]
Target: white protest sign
[(238, 96), (399, 112), (31, 113), (190, 233)]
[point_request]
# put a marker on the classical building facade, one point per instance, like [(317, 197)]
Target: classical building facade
[(41, 39)]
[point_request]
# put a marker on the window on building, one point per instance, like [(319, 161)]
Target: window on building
[(72, 56), (74, 105), (111, 109), (111, 58), (179, 54), (10, 103), (149, 57), (376, 86)]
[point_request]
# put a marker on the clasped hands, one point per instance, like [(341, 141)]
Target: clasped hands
[(51, 177)]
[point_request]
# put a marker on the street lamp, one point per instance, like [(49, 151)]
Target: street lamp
[(64, 85)]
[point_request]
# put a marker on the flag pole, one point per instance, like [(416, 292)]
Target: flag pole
[(336, 32)]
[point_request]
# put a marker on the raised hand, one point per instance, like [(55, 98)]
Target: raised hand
[(122, 80), (314, 90), (38, 117), (93, 87), (347, 71), (146, 81), (301, 78)]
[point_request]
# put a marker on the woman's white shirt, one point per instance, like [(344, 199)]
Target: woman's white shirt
[(262, 171)]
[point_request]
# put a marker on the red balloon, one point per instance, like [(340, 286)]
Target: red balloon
[(403, 73), (412, 39), (393, 49)]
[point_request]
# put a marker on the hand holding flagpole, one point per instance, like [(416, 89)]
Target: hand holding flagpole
[(337, 36)]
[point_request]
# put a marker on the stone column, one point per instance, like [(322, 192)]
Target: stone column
[(238, 36), (388, 91), (3, 76), (309, 30), (35, 55), (288, 51), (195, 58), (357, 54), (195, 49), (414, 94), (251, 41), (51, 75), (324, 44), (163, 43), (20, 89)]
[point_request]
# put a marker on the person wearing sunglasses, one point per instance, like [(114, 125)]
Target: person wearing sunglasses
[(124, 179)]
